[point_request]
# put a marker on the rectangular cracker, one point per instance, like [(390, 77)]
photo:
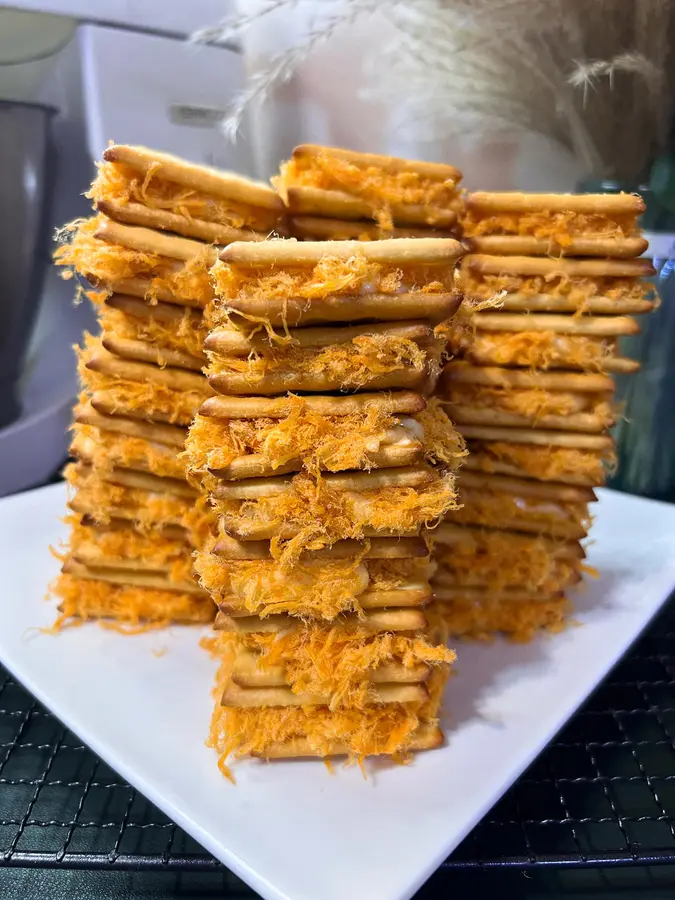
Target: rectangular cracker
[(245, 530), (282, 382), (146, 240), (486, 350), (87, 505), (390, 164), (322, 228), (497, 376), (106, 403), (90, 553), (583, 421), (169, 377), (519, 202), (232, 342), (88, 450), (170, 532), (399, 598), (445, 578), (312, 201), (477, 594), (594, 305), (134, 305), (401, 252), (170, 435), (471, 535), (616, 248), (261, 697), (376, 548), (140, 287), (393, 403), (494, 264), (537, 436), (163, 220), (343, 308), (157, 581), (563, 527), (247, 672), (259, 466), (377, 621), (143, 481), (480, 461), (202, 178), (413, 476), (142, 351), (598, 326), (427, 736), (522, 487)]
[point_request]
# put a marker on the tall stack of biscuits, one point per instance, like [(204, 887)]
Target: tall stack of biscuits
[(146, 257), (335, 194), (324, 461), (530, 388)]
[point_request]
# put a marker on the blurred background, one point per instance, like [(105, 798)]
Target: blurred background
[(554, 95)]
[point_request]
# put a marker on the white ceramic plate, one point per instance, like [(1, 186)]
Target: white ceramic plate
[(290, 829)]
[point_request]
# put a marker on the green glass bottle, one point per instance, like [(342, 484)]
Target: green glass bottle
[(645, 430)]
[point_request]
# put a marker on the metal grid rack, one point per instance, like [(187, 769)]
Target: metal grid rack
[(603, 793)]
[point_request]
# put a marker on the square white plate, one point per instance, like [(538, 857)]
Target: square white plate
[(290, 829)]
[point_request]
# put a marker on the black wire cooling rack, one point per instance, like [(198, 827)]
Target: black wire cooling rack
[(601, 795)]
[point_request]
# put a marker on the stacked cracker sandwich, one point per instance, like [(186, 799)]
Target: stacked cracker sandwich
[(336, 194), (258, 429), (324, 460), (146, 256), (531, 389)]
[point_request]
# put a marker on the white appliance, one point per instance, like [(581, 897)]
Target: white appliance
[(164, 93), (108, 84)]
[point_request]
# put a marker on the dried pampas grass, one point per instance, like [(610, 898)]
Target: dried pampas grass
[(280, 69), (597, 76)]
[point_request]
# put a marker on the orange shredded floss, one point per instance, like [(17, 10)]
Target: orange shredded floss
[(123, 608), (560, 226), (187, 334), (263, 587), (122, 183), (537, 349), (146, 510), (478, 285), (377, 187), (335, 661), (354, 363), (318, 442), (565, 464), (495, 510), (319, 516), (519, 620), (107, 449), (331, 276), (157, 401), (112, 264), (500, 560), (370, 731), (529, 403)]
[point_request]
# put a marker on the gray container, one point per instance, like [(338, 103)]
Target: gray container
[(26, 180), (645, 435)]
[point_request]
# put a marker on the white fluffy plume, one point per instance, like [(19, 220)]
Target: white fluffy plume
[(597, 76)]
